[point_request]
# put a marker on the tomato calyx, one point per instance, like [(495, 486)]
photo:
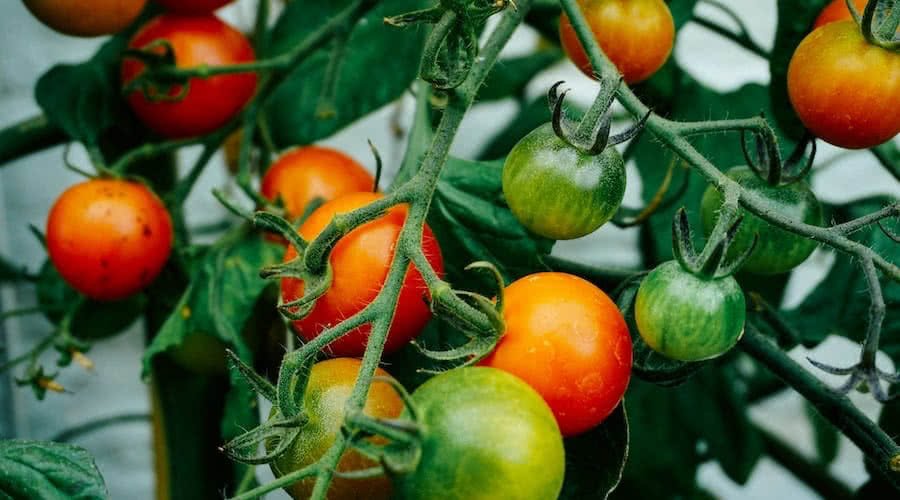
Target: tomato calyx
[(879, 22), (591, 135), (451, 48), (767, 162), (158, 81), (709, 263)]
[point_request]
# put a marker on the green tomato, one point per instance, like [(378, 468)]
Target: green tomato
[(559, 192), (487, 435), (687, 317), (777, 250)]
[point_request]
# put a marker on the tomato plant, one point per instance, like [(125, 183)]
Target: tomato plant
[(776, 251), (86, 18), (359, 265), (568, 340), (208, 103), (636, 35), (304, 174), (193, 6), (329, 387), (559, 192), (109, 238), (486, 435), (843, 103)]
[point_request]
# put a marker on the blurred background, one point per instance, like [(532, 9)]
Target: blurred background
[(114, 388)]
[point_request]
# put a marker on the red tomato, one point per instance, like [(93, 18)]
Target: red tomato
[(109, 238), (211, 102), (636, 35), (193, 6), (569, 341), (360, 263), (843, 88), (837, 11), (86, 17), (306, 173)]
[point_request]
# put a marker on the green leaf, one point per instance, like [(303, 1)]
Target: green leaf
[(378, 65), (48, 471), (596, 459), (682, 11), (795, 18), (889, 156), (509, 77), (12, 273), (472, 223)]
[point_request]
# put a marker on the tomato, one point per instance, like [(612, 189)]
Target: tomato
[(109, 238), (330, 385), (86, 17), (558, 192), (486, 436), (636, 35), (211, 102), (837, 11), (687, 317), (193, 6), (569, 341), (777, 251), (842, 87), (303, 174), (360, 263)]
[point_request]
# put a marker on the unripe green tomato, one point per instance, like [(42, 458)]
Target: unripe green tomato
[(487, 435), (777, 250), (687, 317), (559, 192)]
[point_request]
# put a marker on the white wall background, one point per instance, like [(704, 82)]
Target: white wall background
[(29, 186)]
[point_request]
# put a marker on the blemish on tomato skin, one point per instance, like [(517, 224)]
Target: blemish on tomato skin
[(146, 231)]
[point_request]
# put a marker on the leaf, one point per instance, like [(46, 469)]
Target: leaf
[(795, 18), (509, 77), (682, 11), (12, 273), (48, 471), (378, 65), (596, 459), (472, 223)]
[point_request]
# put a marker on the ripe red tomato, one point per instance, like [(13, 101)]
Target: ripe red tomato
[(306, 173), (86, 17), (360, 262), (193, 6), (569, 341), (636, 35), (837, 11), (210, 102), (842, 87), (109, 238)]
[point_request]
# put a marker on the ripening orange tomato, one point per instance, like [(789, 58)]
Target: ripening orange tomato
[(210, 102), (636, 35), (306, 173), (109, 238), (837, 11), (86, 17), (360, 262), (568, 340)]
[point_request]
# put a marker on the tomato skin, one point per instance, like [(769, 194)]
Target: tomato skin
[(686, 317), (840, 87), (211, 102), (86, 18), (193, 7), (837, 11), (303, 174), (109, 238), (330, 384), (558, 192), (488, 436), (777, 250), (636, 35), (360, 262), (569, 341)]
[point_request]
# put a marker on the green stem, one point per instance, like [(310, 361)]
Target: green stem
[(73, 433), (742, 37), (151, 150), (877, 446), (28, 136)]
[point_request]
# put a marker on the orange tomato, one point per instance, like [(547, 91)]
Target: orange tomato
[(837, 11), (86, 17), (636, 35), (210, 102), (360, 263), (109, 238), (569, 341), (303, 174)]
